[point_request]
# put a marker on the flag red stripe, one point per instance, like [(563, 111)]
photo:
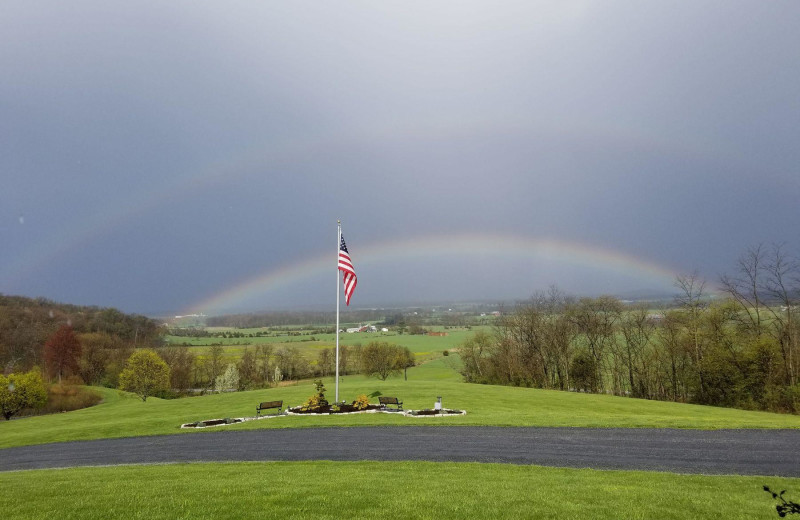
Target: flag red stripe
[(349, 278)]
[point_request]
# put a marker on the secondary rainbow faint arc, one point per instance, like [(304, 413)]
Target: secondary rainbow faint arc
[(255, 158), (439, 245)]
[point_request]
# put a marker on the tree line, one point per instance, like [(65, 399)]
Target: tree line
[(738, 349), (93, 346), (264, 365), (107, 335)]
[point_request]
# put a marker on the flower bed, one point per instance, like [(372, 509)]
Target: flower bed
[(329, 409)]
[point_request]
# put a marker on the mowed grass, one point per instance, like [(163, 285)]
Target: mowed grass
[(124, 415), (379, 490)]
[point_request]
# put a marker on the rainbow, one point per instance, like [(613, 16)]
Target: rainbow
[(598, 259)]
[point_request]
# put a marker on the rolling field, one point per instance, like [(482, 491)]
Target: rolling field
[(124, 415), (424, 347)]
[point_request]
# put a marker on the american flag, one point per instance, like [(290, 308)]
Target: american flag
[(349, 273)]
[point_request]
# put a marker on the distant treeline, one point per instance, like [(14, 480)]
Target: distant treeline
[(26, 324), (741, 351)]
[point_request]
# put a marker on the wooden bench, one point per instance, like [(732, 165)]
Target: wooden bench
[(386, 401), (267, 405)]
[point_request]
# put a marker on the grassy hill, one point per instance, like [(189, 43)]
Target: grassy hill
[(374, 489), (123, 415)]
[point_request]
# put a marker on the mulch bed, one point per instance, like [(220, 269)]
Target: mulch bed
[(211, 422), (326, 410), (343, 408), (445, 411)]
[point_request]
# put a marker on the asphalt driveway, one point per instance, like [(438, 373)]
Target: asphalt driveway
[(743, 452)]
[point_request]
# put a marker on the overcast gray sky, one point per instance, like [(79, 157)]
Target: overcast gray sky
[(157, 155)]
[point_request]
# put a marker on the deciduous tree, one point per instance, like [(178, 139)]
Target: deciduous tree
[(380, 359), (62, 352), (181, 365), (144, 374), (229, 380), (248, 370), (18, 391)]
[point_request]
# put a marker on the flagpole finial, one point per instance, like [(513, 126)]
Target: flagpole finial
[(338, 221)]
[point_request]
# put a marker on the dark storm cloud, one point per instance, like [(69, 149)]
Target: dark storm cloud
[(153, 154)]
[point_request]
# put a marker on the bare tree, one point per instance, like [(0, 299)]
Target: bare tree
[(637, 329), (326, 358), (596, 320), (214, 364), (673, 354), (783, 285), (180, 361), (775, 277), (693, 303), (264, 357), (746, 286)]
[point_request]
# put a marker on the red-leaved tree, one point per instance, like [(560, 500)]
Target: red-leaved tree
[(62, 352)]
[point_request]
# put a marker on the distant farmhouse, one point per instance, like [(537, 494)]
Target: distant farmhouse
[(365, 328)]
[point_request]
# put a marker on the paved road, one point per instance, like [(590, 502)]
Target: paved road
[(744, 452)]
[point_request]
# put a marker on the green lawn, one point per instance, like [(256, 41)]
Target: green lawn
[(379, 490), (358, 489), (124, 415)]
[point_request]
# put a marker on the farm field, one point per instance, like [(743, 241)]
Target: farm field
[(124, 415), (359, 490), (310, 343)]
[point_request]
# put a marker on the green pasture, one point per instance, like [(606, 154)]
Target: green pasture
[(380, 490), (424, 347), (124, 415)]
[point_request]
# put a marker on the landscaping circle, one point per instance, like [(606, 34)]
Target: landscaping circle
[(325, 410)]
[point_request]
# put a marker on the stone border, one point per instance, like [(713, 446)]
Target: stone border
[(404, 413), (240, 419), (451, 413)]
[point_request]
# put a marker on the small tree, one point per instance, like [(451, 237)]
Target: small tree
[(229, 380), (214, 364), (381, 359), (62, 352), (18, 391), (583, 372), (248, 370), (144, 374), (316, 401)]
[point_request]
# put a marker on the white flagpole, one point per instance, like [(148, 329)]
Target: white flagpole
[(338, 246)]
